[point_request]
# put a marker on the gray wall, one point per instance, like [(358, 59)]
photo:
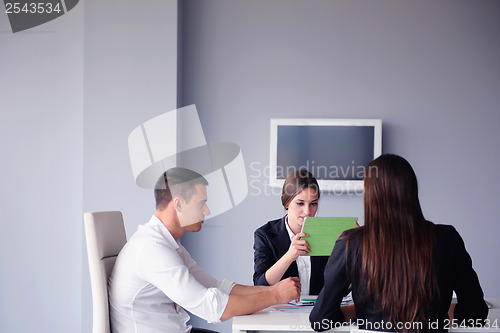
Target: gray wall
[(71, 91), (428, 69), (41, 140), (130, 77)]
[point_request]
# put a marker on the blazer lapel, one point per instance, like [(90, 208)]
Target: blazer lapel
[(283, 244)]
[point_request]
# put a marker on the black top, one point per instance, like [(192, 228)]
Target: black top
[(271, 242), (454, 272)]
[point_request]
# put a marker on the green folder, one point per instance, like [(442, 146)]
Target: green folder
[(323, 232)]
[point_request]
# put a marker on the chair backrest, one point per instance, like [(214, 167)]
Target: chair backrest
[(105, 237)]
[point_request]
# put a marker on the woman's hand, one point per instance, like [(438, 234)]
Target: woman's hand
[(298, 246)]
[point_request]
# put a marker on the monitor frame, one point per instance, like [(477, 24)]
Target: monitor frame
[(326, 185)]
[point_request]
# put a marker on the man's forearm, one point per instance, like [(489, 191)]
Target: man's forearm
[(242, 290), (246, 304), (247, 299)]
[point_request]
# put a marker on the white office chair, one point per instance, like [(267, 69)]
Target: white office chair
[(105, 236)]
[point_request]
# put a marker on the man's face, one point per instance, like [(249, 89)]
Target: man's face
[(194, 211)]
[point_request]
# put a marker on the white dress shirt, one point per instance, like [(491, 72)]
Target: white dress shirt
[(154, 279), (303, 265)]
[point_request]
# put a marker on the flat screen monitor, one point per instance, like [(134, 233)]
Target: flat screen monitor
[(335, 151)]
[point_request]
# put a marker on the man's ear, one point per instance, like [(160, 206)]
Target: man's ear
[(177, 201)]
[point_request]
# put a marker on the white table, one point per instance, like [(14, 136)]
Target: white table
[(297, 320)]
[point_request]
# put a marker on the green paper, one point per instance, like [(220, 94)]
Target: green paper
[(323, 232)]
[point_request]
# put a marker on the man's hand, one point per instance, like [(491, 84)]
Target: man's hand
[(246, 299), (286, 290)]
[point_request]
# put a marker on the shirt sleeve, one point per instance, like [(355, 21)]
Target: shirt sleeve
[(327, 310), (165, 269), (203, 277), (470, 297)]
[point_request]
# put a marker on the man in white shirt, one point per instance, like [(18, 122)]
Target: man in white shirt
[(155, 280)]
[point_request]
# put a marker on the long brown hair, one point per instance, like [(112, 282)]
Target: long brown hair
[(398, 243)]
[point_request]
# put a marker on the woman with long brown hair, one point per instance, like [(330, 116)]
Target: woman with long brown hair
[(403, 269)]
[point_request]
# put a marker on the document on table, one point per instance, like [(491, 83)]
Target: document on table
[(306, 300)]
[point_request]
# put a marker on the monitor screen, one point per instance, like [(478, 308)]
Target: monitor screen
[(335, 151), (328, 152)]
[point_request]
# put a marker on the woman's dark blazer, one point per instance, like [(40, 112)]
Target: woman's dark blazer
[(271, 242), (454, 272)]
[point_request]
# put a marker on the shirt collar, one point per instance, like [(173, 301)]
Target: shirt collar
[(158, 226), (290, 232)]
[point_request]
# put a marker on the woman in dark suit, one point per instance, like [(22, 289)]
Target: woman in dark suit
[(403, 269), (278, 244)]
